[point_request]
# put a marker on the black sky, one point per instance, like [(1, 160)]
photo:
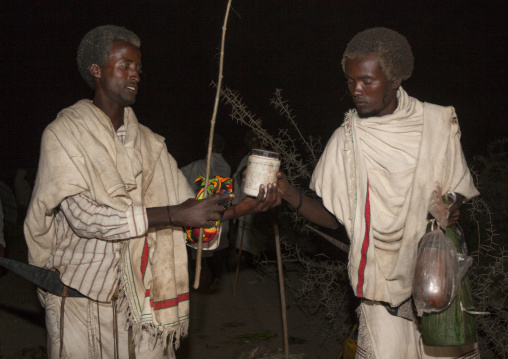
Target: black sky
[(460, 53)]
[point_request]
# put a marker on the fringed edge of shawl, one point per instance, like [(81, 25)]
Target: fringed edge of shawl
[(349, 146), (363, 335), (170, 334)]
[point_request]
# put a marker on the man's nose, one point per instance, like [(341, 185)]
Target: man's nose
[(135, 76), (356, 89)]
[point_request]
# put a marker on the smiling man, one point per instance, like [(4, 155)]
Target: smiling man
[(107, 213), (376, 177)]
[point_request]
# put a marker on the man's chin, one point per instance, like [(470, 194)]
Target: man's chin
[(129, 102), (366, 114)]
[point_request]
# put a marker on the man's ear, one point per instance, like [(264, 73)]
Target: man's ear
[(95, 70), (396, 84)]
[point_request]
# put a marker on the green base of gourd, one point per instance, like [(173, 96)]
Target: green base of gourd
[(452, 326)]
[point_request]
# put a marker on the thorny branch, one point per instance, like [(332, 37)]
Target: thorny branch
[(489, 278), (286, 111), (295, 168), (325, 289)]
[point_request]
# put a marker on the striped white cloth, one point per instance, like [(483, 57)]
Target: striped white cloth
[(81, 154), (87, 236), (87, 248)]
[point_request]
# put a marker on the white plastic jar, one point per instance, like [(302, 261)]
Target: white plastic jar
[(261, 170)]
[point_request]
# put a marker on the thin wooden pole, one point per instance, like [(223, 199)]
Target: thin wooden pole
[(210, 144), (239, 258), (342, 246), (349, 337), (281, 286), (284, 261)]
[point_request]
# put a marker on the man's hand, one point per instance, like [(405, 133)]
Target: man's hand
[(261, 203), (454, 216), (284, 185), (454, 209), (198, 213)]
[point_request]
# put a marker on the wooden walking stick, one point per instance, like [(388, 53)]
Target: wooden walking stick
[(281, 286), (342, 246), (239, 257), (349, 337), (210, 144)]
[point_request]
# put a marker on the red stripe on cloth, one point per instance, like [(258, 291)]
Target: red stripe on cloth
[(144, 258), (361, 352), (470, 354), (170, 302), (147, 293), (183, 297), (365, 247)]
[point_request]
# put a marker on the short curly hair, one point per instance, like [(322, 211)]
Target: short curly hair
[(95, 48), (394, 52)]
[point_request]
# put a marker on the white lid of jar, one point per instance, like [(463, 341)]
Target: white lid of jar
[(265, 153)]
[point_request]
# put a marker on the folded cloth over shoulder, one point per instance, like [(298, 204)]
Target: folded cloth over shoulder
[(81, 153)]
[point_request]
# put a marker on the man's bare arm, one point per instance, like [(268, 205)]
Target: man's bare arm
[(204, 213), (312, 209), (191, 213), (261, 203)]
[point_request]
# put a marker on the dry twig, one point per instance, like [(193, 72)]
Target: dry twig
[(282, 293), (210, 143), (322, 288)]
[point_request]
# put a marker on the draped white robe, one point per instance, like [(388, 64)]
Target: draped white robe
[(376, 176)]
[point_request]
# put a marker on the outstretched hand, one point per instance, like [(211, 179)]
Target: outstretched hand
[(283, 184), (199, 213), (261, 203)]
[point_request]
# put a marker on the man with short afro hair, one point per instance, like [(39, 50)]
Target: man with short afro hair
[(107, 213), (376, 177), (95, 48), (394, 52)]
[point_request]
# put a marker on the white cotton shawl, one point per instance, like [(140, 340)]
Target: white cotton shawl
[(383, 270), (81, 153)]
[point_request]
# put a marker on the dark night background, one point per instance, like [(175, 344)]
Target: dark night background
[(460, 53)]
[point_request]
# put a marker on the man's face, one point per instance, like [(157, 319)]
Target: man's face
[(119, 80), (373, 94)]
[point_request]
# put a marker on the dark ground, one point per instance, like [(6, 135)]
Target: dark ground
[(221, 326)]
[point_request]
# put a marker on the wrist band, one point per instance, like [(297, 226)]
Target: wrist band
[(297, 208), (169, 217)]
